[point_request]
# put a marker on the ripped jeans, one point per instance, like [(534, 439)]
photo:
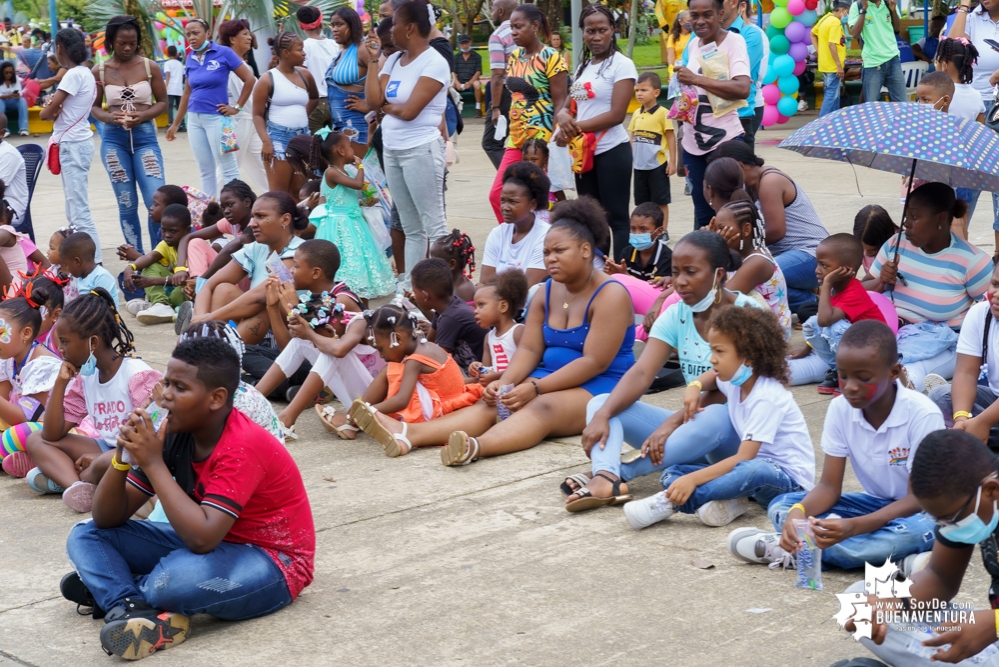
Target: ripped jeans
[(148, 561), (130, 162)]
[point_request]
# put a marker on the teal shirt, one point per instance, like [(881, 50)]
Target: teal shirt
[(878, 35)]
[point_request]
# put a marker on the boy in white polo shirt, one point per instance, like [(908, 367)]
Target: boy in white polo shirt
[(877, 423)]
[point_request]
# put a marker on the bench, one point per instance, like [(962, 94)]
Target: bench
[(38, 126)]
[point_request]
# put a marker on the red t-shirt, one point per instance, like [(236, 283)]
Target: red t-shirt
[(856, 303), (251, 477)]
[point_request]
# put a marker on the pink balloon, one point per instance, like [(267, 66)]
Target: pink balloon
[(782, 119), (771, 94), (887, 309), (796, 32), (799, 68), (798, 52), (795, 7), (770, 115)]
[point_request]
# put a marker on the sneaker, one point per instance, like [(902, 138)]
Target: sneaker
[(17, 464), (325, 396), (23, 133), (292, 393), (135, 630), (722, 512), (647, 511), (74, 590), (158, 313), (184, 314), (37, 480), (913, 563), (759, 546), (932, 381), (135, 306), (831, 384), (79, 497)]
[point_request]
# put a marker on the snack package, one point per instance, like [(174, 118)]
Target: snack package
[(501, 410), (809, 557), (684, 107), (276, 267)]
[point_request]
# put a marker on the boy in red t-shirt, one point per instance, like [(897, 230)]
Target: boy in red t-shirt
[(842, 301), (240, 542)]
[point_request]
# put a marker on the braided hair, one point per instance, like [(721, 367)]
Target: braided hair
[(282, 42), (744, 210), (215, 329), (321, 149), (962, 53), (457, 246), (96, 314), (590, 10)]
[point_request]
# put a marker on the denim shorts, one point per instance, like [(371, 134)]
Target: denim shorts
[(281, 135)]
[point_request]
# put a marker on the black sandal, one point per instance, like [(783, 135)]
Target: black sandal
[(587, 501)]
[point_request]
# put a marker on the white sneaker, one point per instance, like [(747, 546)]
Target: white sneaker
[(913, 563), (722, 512), (23, 133), (933, 381), (157, 313), (759, 546), (647, 511), (136, 305)]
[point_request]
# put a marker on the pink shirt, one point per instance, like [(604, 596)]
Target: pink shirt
[(704, 135)]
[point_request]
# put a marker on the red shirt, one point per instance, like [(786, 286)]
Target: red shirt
[(251, 477), (856, 303)]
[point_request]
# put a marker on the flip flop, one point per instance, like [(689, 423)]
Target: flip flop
[(579, 478), (326, 414), (394, 444), (588, 501), (460, 450)]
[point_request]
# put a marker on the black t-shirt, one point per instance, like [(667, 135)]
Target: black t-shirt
[(660, 263), (464, 69), (443, 47), (459, 334), (990, 559)]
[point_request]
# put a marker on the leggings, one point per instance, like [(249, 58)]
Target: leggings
[(609, 182)]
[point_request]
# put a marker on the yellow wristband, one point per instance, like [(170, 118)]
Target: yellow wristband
[(962, 413), (133, 266), (178, 269), (119, 466), (799, 506), (696, 383), (997, 622)]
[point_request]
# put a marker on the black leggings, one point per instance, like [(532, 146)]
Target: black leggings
[(609, 182)]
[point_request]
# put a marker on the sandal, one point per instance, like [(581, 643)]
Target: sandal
[(588, 501), (460, 450), (288, 432), (366, 417), (579, 478), (326, 414)]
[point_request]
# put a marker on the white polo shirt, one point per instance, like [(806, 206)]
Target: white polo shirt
[(881, 459)]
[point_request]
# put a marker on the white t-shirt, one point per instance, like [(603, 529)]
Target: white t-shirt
[(970, 340), (602, 76), (502, 253), (8, 88), (175, 69), (967, 103), (502, 348), (319, 53), (14, 175), (980, 27), (881, 459), (81, 89), (771, 417), (398, 134), (109, 404)]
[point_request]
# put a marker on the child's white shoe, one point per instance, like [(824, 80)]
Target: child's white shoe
[(722, 512), (158, 313), (913, 563), (647, 511), (135, 306), (759, 546)]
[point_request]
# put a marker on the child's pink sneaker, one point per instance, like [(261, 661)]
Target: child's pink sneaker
[(79, 496), (17, 464)]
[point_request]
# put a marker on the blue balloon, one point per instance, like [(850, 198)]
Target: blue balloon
[(808, 17), (788, 85), (787, 106), (770, 76), (783, 65)]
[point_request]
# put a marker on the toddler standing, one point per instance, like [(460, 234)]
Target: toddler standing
[(654, 146)]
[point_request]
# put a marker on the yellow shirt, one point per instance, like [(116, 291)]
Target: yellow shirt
[(678, 45), (648, 130), (169, 253), (830, 31)]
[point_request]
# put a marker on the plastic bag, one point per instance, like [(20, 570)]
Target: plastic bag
[(684, 101), (500, 133), (714, 65), (376, 222), (276, 267), (560, 168), (376, 176), (157, 415), (809, 557)]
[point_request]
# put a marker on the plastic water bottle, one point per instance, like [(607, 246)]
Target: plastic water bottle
[(500, 133), (501, 410)]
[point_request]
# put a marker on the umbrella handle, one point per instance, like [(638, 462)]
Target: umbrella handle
[(905, 208)]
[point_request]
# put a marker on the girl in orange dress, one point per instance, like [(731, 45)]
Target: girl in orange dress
[(420, 381)]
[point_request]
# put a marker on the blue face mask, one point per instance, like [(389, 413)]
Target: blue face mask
[(708, 300), (741, 375), (203, 46), (465, 49), (640, 241), (971, 529), (90, 367)]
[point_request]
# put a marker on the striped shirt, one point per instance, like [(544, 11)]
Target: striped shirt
[(500, 46), (940, 287)]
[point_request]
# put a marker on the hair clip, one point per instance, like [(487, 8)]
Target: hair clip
[(393, 340), (391, 319), (430, 13)]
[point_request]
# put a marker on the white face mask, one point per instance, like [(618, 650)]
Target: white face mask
[(708, 300)]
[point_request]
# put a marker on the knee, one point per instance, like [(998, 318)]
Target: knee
[(79, 539), (595, 404), (942, 398), (34, 443), (779, 507)]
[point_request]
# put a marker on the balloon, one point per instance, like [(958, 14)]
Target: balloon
[(780, 3), (809, 17), (773, 31), (781, 119), (770, 76), (783, 65), (770, 115), (787, 85), (795, 7), (780, 17), (779, 44), (798, 52), (811, 4), (771, 93), (794, 32), (799, 68), (787, 106)]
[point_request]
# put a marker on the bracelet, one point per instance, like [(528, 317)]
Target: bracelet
[(536, 388), (178, 269), (119, 466), (798, 506), (238, 108), (696, 383), (962, 413), (997, 622), (133, 266)]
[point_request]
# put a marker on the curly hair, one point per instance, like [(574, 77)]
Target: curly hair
[(231, 28), (585, 219), (758, 338), (456, 246), (511, 286), (7, 65), (116, 25), (533, 179), (963, 54)]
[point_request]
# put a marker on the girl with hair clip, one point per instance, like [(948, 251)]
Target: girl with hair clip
[(99, 378), (457, 250), (420, 383)]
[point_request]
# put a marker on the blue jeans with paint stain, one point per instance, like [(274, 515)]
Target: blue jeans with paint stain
[(760, 479), (898, 538), (134, 164), (149, 561)]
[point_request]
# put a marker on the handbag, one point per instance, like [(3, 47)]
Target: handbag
[(52, 159), (229, 144), (582, 147)]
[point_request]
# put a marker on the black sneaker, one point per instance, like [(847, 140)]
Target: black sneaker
[(135, 630), (184, 314), (292, 392), (74, 590), (831, 384)]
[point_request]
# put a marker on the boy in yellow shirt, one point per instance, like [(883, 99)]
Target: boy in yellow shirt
[(653, 146), (830, 45), (154, 270)]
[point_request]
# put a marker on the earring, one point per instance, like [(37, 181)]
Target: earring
[(718, 295), (740, 244)]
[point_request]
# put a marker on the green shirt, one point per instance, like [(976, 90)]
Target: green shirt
[(878, 35)]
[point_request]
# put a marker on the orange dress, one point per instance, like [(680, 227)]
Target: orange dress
[(436, 393)]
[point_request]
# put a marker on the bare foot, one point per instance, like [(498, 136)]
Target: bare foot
[(600, 488)]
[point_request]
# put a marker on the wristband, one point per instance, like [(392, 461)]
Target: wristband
[(119, 466), (536, 388), (133, 266), (696, 383), (798, 506), (962, 413), (178, 269), (997, 622)]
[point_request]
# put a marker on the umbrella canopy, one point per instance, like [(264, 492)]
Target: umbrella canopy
[(900, 137)]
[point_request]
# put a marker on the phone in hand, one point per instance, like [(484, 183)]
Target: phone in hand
[(992, 43)]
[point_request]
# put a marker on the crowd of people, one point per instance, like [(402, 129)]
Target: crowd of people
[(270, 286)]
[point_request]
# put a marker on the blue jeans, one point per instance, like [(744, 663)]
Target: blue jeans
[(173, 104), (759, 479), (824, 340), (970, 197), (280, 136), (20, 105), (337, 98), (983, 399), (204, 131), (890, 76), (696, 165), (134, 163), (898, 538), (830, 93), (75, 158), (798, 268), (710, 432), (149, 561)]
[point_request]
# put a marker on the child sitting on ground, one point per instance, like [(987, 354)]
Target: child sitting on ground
[(58, 236), (775, 456), (453, 326), (872, 226), (46, 290), (496, 304), (646, 258), (76, 255), (535, 151), (155, 268), (163, 197), (98, 377), (877, 424), (842, 302), (421, 381), (457, 250)]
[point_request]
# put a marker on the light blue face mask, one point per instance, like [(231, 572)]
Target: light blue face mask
[(203, 46), (741, 375), (90, 367), (640, 241), (465, 49), (971, 529), (708, 300)]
